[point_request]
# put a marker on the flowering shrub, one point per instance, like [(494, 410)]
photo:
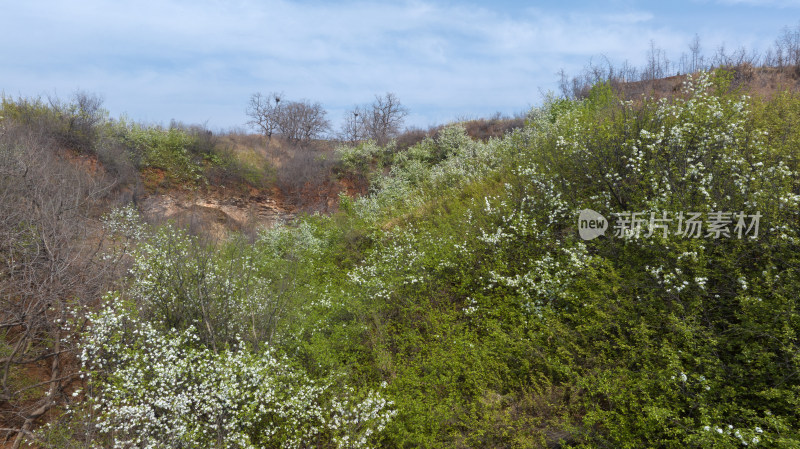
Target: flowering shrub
[(478, 271), (168, 390), (700, 151), (234, 288), (462, 282), (448, 161), (359, 158), (180, 360)]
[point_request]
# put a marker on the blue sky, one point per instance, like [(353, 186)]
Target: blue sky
[(198, 61)]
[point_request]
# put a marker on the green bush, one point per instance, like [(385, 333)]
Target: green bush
[(461, 281), (163, 149), (167, 389), (74, 124), (660, 341)]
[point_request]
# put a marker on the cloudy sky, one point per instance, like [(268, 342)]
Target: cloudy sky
[(198, 61)]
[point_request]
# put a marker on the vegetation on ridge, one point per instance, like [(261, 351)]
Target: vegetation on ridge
[(455, 305)]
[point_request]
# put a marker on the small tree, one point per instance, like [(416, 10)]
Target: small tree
[(353, 128), (697, 57), (385, 119), (301, 121), (50, 269), (264, 111), (787, 47), (296, 121), (381, 121), (658, 65)]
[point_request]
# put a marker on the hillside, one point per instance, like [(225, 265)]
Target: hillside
[(762, 80), (446, 298)]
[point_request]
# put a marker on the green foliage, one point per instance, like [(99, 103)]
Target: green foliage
[(26, 110), (167, 150), (229, 291), (462, 283), (244, 167), (361, 157), (167, 389), (181, 155), (659, 341), (74, 124), (199, 341), (601, 95), (721, 80)]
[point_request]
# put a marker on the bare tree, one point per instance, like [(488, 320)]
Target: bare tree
[(657, 64), (353, 129), (300, 122), (49, 247), (296, 121), (579, 86), (78, 120), (383, 121), (564, 84), (787, 48), (696, 61), (264, 112)]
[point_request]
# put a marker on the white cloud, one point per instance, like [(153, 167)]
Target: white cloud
[(199, 60), (763, 3)]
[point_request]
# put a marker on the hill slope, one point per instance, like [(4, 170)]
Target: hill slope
[(458, 306)]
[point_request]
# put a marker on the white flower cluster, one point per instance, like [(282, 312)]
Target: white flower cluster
[(745, 437), (153, 390), (355, 157), (451, 159), (298, 240), (696, 381), (699, 146), (400, 262), (125, 221), (176, 279), (675, 281), (548, 278)]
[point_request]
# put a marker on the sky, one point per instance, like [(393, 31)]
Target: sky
[(199, 61)]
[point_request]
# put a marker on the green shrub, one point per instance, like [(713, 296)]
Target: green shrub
[(75, 124), (461, 281), (164, 149), (660, 341), (157, 389)]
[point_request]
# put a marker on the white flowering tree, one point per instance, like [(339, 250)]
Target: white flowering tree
[(151, 389), (186, 357)]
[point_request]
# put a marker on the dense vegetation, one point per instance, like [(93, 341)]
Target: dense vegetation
[(455, 305)]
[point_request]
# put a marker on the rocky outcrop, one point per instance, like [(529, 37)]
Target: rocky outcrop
[(214, 214)]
